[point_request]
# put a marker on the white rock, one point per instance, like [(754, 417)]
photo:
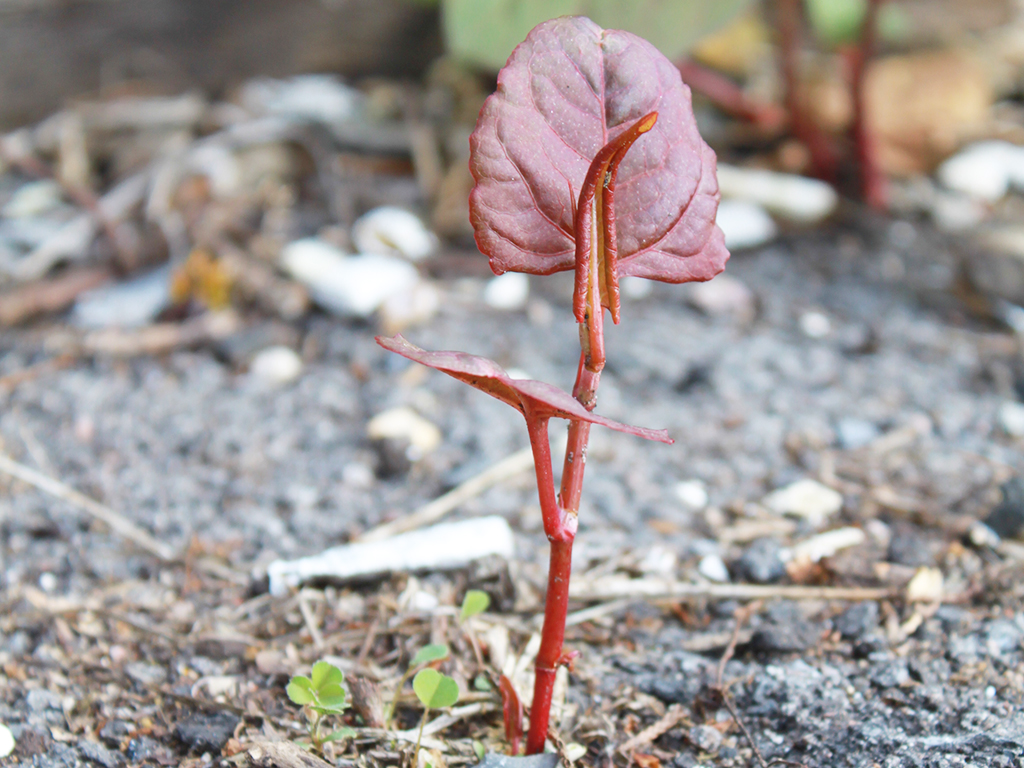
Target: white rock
[(693, 494), (957, 212), (926, 586), (131, 304), (35, 198), (980, 535), (276, 365), (509, 291), (635, 288), (825, 544), (725, 295), (444, 546), (985, 170), (794, 197), (405, 423), (346, 285), (712, 568), (745, 224), (806, 498), (356, 474), (1011, 418), (318, 98), (393, 231), (658, 561), (408, 308), (6, 741), (815, 325)]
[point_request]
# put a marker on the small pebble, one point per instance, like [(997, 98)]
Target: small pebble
[(349, 286), (980, 535), (712, 568), (509, 291), (99, 754), (745, 224), (815, 325), (761, 563), (854, 433), (692, 494), (658, 561), (857, 620), (319, 98), (725, 295), (890, 674), (393, 231), (130, 304), (806, 498), (1011, 418), (926, 586), (1002, 636), (706, 738), (1007, 519), (206, 732), (827, 544), (6, 741), (794, 197), (276, 365), (145, 673), (48, 582), (40, 699), (356, 474), (404, 423), (409, 308), (985, 170)]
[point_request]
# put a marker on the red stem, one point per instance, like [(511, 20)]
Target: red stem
[(728, 96), (872, 180)]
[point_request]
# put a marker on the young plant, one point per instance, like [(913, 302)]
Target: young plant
[(587, 158), (320, 695), (434, 691), (425, 655)]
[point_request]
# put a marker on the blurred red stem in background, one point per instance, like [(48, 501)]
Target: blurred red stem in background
[(872, 180), (728, 96)]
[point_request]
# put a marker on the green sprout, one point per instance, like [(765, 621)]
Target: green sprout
[(434, 691), (476, 601), (320, 695), (425, 655)]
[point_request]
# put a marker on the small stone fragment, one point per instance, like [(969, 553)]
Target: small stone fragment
[(1002, 636), (393, 231), (508, 292), (857, 620), (806, 498), (40, 699), (130, 304), (827, 544), (206, 733), (405, 424), (97, 753), (890, 674), (712, 568), (408, 308), (985, 170), (791, 196), (908, 547), (725, 295), (692, 494), (276, 365), (6, 741), (145, 673), (544, 760), (1011, 418), (1007, 519), (815, 325), (349, 286), (745, 224), (925, 586), (706, 738), (761, 563), (854, 433)]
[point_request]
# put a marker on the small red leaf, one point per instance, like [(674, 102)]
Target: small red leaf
[(534, 399), (567, 91), (512, 712)]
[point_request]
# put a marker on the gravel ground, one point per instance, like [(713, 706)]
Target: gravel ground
[(757, 395)]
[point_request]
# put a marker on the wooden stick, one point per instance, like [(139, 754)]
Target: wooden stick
[(513, 465), (116, 522)]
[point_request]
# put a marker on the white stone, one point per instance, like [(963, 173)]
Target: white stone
[(393, 231), (6, 741), (745, 224), (712, 568), (276, 365), (1011, 418), (509, 291), (825, 544), (794, 197), (319, 98), (806, 498), (405, 423), (441, 547), (926, 586), (635, 288), (692, 494), (131, 304), (346, 285), (725, 295), (36, 198), (815, 325), (658, 561), (985, 170), (408, 308), (356, 474)]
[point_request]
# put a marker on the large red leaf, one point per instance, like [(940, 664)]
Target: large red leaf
[(534, 399), (567, 90)]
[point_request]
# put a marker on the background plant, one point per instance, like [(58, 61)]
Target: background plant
[(321, 695)]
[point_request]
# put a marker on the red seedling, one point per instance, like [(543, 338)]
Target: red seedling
[(587, 158)]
